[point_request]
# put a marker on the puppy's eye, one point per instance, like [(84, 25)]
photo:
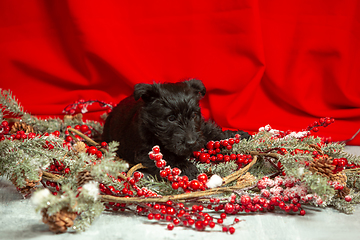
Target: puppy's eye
[(171, 118), (193, 115)]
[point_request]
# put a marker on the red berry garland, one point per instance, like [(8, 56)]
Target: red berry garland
[(82, 105), (172, 174)]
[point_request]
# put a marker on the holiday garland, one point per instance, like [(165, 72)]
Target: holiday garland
[(72, 178)]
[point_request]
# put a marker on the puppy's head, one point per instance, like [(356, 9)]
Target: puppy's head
[(172, 114)]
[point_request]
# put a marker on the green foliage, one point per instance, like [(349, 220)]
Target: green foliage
[(344, 206), (161, 187), (222, 169), (10, 104), (23, 159), (318, 184)]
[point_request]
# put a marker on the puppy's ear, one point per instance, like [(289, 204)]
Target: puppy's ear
[(146, 91), (198, 86)]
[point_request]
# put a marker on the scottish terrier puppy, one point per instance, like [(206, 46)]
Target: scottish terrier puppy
[(167, 115)]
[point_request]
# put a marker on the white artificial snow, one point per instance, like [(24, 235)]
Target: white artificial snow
[(39, 196), (214, 181), (91, 189)]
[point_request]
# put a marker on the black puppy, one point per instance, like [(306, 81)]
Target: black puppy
[(167, 115)]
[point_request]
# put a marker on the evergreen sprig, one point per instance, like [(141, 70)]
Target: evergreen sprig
[(10, 104), (24, 159)]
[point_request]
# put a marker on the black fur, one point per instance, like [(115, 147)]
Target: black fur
[(167, 115)]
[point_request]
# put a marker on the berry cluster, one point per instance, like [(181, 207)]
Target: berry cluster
[(314, 127), (81, 106), (21, 136), (342, 163), (287, 193), (212, 153), (83, 129), (172, 174), (54, 187), (4, 129), (339, 163), (337, 186), (58, 167), (323, 122), (176, 214), (128, 189)]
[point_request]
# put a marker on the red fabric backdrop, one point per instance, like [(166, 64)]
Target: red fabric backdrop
[(283, 63)]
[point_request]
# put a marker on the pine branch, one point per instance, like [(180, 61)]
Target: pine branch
[(10, 104)]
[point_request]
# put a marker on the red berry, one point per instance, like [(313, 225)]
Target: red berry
[(210, 145), (245, 200), (158, 157), (196, 154), (223, 215), (67, 170), (202, 178), (56, 133), (302, 212), (176, 221), (217, 144), (231, 230), (68, 139), (175, 185), (138, 175), (170, 178), (348, 198), (203, 157), (170, 210), (163, 174), (160, 164), (170, 226), (199, 225), (175, 171), (99, 154), (84, 128), (92, 150), (156, 149), (104, 144), (195, 184), (229, 208)]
